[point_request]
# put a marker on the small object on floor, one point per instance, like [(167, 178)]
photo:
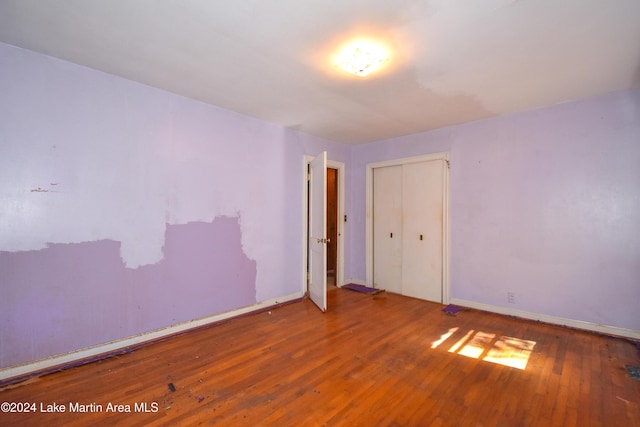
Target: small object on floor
[(200, 399), (362, 289), (634, 372), (451, 309), (171, 387)]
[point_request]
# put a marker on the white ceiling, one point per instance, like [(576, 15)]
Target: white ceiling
[(452, 61)]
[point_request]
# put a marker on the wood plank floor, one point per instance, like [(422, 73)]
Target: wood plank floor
[(391, 361)]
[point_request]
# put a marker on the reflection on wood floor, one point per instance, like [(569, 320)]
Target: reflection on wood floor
[(366, 362)]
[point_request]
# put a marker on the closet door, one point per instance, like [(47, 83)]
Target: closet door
[(387, 228), (422, 209)]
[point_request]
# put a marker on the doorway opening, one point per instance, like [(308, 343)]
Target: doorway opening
[(332, 227), (335, 219)]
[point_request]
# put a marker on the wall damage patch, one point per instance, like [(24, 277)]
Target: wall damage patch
[(71, 296)]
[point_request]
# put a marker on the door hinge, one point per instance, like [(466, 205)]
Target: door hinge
[(448, 164)]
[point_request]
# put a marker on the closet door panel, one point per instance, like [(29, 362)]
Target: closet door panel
[(422, 193), (387, 228)]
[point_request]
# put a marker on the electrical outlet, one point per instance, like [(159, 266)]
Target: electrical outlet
[(511, 298)]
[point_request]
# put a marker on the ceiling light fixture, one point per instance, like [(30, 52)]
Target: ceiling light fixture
[(362, 58)]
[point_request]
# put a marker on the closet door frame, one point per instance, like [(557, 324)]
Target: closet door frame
[(444, 157)]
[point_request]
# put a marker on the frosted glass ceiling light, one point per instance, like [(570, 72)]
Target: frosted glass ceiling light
[(362, 58)]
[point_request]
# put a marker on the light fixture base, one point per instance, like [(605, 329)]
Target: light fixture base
[(361, 58)]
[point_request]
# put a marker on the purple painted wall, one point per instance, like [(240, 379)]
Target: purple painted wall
[(544, 204), (125, 208), (78, 289)]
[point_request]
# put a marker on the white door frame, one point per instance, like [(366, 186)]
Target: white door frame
[(445, 216), (305, 219)]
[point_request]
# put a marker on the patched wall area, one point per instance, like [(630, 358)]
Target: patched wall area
[(78, 295)]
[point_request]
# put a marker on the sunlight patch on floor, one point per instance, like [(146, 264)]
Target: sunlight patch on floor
[(476, 346), (444, 337), (461, 341), (506, 351), (510, 351)]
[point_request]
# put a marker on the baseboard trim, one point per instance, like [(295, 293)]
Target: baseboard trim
[(21, 372), (578, 324)]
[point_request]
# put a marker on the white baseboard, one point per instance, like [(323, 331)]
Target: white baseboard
[(121, 344), (578, 324)]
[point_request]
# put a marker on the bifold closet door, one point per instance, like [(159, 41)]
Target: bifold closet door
[(387, 228), (422, 210)]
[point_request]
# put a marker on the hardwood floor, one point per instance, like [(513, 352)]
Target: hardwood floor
[(386, 361)]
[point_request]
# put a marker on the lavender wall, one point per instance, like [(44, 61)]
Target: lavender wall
[(84, 291), (125, 208), (544, 204)]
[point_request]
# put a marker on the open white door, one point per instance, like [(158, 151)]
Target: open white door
[(317, 231)]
